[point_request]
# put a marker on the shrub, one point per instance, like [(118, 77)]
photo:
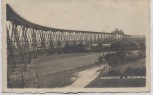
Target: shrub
[(123, 57), (115, 59)]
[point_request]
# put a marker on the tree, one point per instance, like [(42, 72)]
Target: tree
[(117, 31)]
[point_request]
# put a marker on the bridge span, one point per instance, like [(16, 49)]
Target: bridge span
[(27, 40)]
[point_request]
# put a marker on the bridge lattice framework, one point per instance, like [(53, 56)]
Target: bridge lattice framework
[(28, 40)]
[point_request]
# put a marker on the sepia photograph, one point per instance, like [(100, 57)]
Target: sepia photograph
[(76, 45)]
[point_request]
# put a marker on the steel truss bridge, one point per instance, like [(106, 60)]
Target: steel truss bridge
[(26, 40)]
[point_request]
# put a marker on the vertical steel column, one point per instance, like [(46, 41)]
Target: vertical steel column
[(26, 44), (10, 50), (18, 44)]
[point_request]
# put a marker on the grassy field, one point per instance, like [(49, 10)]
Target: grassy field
[(57, 67), (57, 71), (59, 63), (98, 82), (59, 79)]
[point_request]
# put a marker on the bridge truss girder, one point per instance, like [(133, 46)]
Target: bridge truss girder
[(27, 40)]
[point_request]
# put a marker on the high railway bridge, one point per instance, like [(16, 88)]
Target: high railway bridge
[(27, 40)]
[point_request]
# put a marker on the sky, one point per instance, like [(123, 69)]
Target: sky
[(89, 15)]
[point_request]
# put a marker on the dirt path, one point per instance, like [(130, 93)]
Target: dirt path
[(85, 77)]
